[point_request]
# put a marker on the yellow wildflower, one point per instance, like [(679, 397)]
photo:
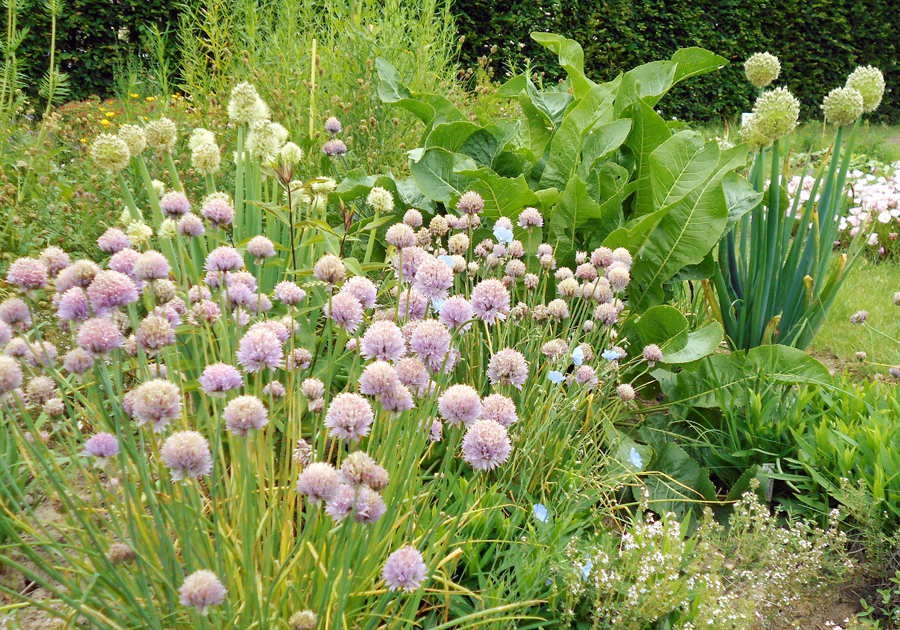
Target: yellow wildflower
[(104, 122)]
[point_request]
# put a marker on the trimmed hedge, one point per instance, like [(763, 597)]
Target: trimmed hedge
[(87, 44), (819, 43)]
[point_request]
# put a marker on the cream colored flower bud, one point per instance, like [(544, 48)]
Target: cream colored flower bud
[(110, 153), (381, 200), (161, 134), (842, 106), (133, 136)]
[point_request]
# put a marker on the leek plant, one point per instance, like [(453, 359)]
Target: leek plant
[(778, 273)]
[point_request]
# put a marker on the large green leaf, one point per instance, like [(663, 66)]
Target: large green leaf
[(503, 196), (740, 197), (602, 140), (429, 108), (450, 136), (571, 58), (406, 193), (680, 485), (647, 83), (538, 128), (565, 148), (438, 173), (700, 343), (635, 235), (663, 325), (679, 165), (719, 377), (648, 131), (693, 61)]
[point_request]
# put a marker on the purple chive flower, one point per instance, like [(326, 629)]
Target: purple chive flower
[(652, 354), (276, 328), (14, 312), (333, 125), (289, 294), (122, 261), (187, 454), (434, 278), (219, 378), (330, 270), (55, 260), (224, 258), (109, 290), (78, 361), (200, 590), (174, 204), (618, 276), (102, 446), (207, 311), (40, 389), (602, 257), (499, 409), (79, 274), (404, 570), (28, 274), (99, 336), (260, 248), (345, 310), (199, 292), (625, 392), (73, 306), (334, 148), (622, 255), (383, 340), (151, 265), (368, 508), (362, 289), (400, 235), (41, 354), (397, 400), (412, 304), (218, 211), (190, 225), (431, 342), (10, 375), (508, 367), (486, 445), (349, 417), (377, 378), (299, 359), (585, 375), (318, 481), (859, 317), (358, 468), (460, 404), (259, 349), (113, 241), (243, 414), (16, 347), (411, 372), (157, 402), (6, 333), (470, 203), (411, 257), (435, 431), (490, 301), (413, 218), (312, 388), (530, 217)]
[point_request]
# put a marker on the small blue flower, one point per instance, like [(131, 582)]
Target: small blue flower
[(578, 356), (448, 260), (540, 513), (503, 235), (548, 582), (611, 355), (437, 304), (635, 458), (555, 376), (586, 570)]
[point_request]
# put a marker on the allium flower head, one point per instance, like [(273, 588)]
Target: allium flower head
[(79, 274), (652, 354), (383, 340), (397, 400), (224, 258), (486, 445), (500, 409), (174, 204), (14, 312), (110, 152), (761, 69), (265, 139), (10, 374), (490, 301), (55, 260), (206, 158), (219, 378), (290, 153), (411, 304), (190, 225), (113, 240), (78, 361), (187, 454), (618, 277), (27, 273), (330, 270), (508, 367), (161, 134), (200, 590), (333, 125), (133, 137), (243, 107), (157, 402), (377, 378), (110, 290), (455, 312), (334, 148), (404, 570), (859, 317), (73, 306), (259, 349), (318, 481), (99, 336), (102, 446), (261, 247), (625, 392), (312, 388), (359, 469), (842, 106), (299, 359), (345, 310), (380, 200), (217, 209), (775, 114), (530, 217), (40, 389), (558, 310), (362, 289), (40, 354), (151, 266), (460, 404), (289, 293), (869, 82), (244, 413), (434, 278), (349, 417), (6, 333), (400, 235), (430, 341), (120, 554), (413, 218), (470, 203)]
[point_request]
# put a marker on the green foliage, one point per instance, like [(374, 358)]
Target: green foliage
[(818, 43)]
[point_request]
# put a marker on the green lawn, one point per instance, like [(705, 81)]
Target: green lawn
[(869, 287)]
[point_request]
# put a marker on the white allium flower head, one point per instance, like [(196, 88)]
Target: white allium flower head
[(381, 200), (869, 82), (842, 106), (761, 69)]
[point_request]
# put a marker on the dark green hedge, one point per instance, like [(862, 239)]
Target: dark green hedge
[(88, 48), (818, 41)]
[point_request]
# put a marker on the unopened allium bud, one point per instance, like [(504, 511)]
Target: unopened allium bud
[(869, 82), (381, 200), (110, 152), (161, 134), (842, 106), (761, 69)]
